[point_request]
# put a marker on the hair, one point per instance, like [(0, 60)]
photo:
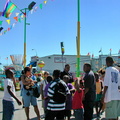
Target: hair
[(49, 78), (102, 72), (66, 77), (46, 72), (56, 73), (88, 65), (9, 73), (109, 60), (27, 69), (67, 65), (96, 77)]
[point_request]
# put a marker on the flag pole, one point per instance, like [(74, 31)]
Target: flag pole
[(78, 41)]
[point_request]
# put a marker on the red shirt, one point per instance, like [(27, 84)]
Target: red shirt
[(77, 100)]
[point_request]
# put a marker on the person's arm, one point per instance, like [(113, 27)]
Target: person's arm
[(104, 92), (12, 94), (41, 89), (77, 86)]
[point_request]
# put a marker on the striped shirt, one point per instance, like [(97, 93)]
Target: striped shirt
[(52, 105)]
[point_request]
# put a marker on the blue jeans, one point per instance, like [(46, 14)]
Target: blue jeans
[(78, 114), (8, 110)]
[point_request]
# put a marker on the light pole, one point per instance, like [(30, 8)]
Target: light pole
[(29, 8), (35, 51), (78, 42)]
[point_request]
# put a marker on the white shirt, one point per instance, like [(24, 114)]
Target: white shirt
[(7, 96), (112, 80)]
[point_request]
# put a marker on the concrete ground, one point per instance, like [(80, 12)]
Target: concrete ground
[(20, 114)]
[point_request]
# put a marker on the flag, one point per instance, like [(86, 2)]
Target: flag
[(8, 9), (41, 6), (8, 21), (6, 58), (100, 50), (88, 54), (119, 51), (1, 13), (1, 29), (110, 51), (1, 22)]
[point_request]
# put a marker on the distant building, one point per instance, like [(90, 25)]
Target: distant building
[(53, 62)]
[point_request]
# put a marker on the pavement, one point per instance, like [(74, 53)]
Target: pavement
[(20, 113)]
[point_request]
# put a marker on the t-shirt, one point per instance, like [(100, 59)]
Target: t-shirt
[(52, 105), (89, 82), (112, 80), (98, 87), (77, 100), (7, 96)]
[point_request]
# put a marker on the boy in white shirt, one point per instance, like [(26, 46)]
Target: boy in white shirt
[(111, 94), (9, 96)]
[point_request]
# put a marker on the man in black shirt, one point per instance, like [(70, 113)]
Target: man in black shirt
[(66, 72), (90, 92)]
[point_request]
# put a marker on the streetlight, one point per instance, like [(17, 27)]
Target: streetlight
[(29, 8), (35, 51)]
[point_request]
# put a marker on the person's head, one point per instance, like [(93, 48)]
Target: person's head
[(67, 67), (109, 61), (56, 74), (87, 67), (96, 77), (46, 74), (49, 78), (66, 78), (9, 73), (27, 71), (81, 83)]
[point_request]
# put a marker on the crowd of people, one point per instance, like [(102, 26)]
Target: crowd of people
[(63, 96)]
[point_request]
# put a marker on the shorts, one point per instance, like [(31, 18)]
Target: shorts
[(51, 115), (98, 97), (78, 114), (28, 98), (112, 109), (8, 110)]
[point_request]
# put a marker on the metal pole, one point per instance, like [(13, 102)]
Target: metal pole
[(78, 41), (25, 39)]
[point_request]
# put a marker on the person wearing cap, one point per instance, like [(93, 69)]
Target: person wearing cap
[(111, 93)]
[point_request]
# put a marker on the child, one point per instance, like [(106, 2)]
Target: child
[(77, 104), (49, 79), (98, 104), (68, 106), (9, 96)]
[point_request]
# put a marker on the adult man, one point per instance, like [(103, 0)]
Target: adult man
[(66, 72), (90, 92), (111, 94), (55, 109)]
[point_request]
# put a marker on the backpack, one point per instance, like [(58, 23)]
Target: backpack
[(36, 90), (59, 92)]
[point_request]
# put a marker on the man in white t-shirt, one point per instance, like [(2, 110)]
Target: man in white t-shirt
[(111, 93), (9, 96)]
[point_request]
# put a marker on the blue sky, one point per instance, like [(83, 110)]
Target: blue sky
[(57, 22)]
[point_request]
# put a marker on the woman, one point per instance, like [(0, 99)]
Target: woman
[(27, 93)]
